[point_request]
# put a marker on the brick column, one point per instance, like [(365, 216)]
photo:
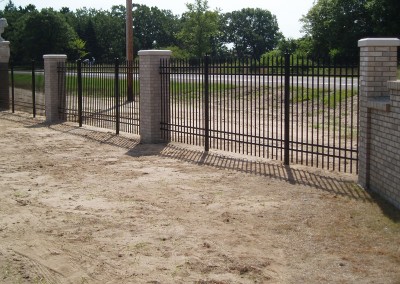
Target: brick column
[(150, 94), (4, 84), (378, 65), (53, 98)]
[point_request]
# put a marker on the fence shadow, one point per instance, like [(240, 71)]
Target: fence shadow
[(94, 134), (340, 185)]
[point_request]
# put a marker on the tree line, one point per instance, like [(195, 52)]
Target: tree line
[(87, 33), (331, 27)]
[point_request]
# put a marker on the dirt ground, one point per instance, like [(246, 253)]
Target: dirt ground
[(84, 206)]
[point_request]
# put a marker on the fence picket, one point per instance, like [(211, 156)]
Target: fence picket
[(273, 108)]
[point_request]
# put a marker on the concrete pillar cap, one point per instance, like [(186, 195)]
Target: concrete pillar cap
[(379, 42), (54, 56), (155, 52)]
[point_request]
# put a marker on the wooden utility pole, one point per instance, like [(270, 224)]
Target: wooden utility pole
[(129, 49)]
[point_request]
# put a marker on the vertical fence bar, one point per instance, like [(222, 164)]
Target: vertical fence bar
[(296, 99), (129, 86), (247, 110), (280, 108), (206, 106), (340, 104), (79, 73), (62, 93), (12, 89), (358, 111), (317, 126), (243, 90), (334, 111), (323, 109), (287, 108), (33, 89), (116, 84)]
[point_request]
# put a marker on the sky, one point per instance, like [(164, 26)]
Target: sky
[(288, 12)]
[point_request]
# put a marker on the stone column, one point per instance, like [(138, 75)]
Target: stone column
[(4, 82), (53, 96), (378, 65), (150, 95)]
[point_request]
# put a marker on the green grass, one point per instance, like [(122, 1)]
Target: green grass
[(189, 90), (333, 99), (24, 81), (330, 99), (104, 87)]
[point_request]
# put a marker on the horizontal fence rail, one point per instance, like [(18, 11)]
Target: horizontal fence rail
[(293, 109), (26, 88), (100, 95)]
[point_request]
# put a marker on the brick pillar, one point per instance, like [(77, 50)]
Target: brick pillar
[(53, 98), (150, 94), (378, 65), (4, 84)]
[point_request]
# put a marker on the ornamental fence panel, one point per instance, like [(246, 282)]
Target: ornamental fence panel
[(301, 110), (104, 95)]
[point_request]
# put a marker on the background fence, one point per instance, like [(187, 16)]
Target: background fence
[(294, 109), (27, 88), (101, 95), (299, 110)]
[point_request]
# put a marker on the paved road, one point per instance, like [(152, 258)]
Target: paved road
[(255, 80)]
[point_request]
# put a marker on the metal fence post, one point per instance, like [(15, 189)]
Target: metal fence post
[(116, 90), (12, 88), (206, 106), (33, 89), (287, 109), (129, 74), (79, 72), (4, 77)]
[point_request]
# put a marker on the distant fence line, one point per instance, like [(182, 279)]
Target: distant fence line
[(265, 109), (295, 109), (321, 112), (100, 95)]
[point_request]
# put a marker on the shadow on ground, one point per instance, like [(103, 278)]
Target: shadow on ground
[(340, 185)]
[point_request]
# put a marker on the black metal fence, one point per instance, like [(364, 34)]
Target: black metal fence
[(100, 95), (298, 110), (26, 88)]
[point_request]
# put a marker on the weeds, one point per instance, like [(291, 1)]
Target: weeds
[(24, 81), (329, 99)]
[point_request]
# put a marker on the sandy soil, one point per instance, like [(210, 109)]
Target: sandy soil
[(85, 206)]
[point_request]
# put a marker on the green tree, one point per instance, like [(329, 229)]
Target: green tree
[(385, 17), (154, 28), (47, 32), (252, 31), (288, 45), (16, 17), (200, 28), (35, 33), (335, 26), (109, 28)]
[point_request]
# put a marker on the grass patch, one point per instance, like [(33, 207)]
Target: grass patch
[(329, 99), (24, 81), (105, 87), (333, 99), (189, 90)]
